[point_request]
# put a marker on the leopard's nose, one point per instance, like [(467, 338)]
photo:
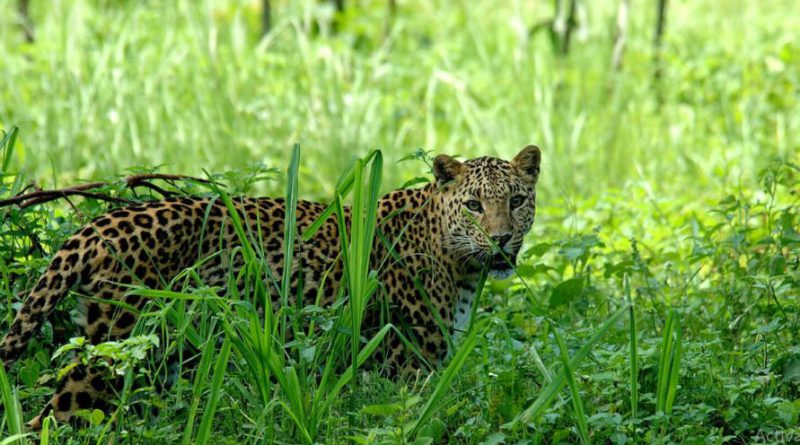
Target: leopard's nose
[(501, 240)]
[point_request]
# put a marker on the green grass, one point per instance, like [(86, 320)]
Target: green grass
[(12, 418), (656, 300), (190, 85)]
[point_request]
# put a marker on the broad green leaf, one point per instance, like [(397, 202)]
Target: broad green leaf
[(566, 292)]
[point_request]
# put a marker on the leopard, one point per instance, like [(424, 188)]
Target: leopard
[(467, 223)]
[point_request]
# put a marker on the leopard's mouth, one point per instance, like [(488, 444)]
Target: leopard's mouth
[(500, 262), (497, 265)]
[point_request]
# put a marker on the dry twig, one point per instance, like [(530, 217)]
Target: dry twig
[(24, 200)]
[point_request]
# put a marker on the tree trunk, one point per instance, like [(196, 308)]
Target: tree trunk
[(266, 17), (658, 38), (25, 16), (571, 23), (390, 15), (621, 34)]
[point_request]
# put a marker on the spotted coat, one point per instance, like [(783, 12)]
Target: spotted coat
[(473, 216)]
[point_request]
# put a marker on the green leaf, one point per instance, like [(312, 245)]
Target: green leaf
[(385, 410), (94, 416), (539, 249), (415, 181), (787, 412), (307, 354), (566, 292), (495, 439), (434, 430), (791, 373)]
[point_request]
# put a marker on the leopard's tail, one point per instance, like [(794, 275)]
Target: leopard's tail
[(64, 273)]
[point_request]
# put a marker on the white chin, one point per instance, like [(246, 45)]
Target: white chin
[(501, 274)]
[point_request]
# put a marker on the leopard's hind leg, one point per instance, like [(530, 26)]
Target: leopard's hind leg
[(93, 386), (84, 387)]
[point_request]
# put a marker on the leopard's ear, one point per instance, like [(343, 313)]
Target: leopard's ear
[(527, 163), (446, 169)]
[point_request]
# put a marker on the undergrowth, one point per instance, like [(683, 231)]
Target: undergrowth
[(655, 301), (690, 338)]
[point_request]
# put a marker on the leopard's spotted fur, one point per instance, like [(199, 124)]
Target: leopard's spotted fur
[(438, 245)]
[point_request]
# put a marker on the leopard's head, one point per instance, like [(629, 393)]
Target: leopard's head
[(489, 205)]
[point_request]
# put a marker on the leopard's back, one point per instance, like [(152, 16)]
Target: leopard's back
[(149, 244)]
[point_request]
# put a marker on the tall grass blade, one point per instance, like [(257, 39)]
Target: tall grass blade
[(361, 284), (363, 355), (204, 433), (254, 342), (633, 351), (443, 386), (669, 363), (289, 230), (7, 147), (549, 392), (247, 247), (296, 410), (15, 439), (255, 347), (476, 301), (44, 435), (672, 388), (299, 421), (199, 386), (342, 189), (12, 410), (577, 402)]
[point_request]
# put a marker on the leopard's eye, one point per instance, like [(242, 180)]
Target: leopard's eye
[(516, 201), (474, 206)]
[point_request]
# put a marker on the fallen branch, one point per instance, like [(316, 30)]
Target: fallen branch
[(36, 197)]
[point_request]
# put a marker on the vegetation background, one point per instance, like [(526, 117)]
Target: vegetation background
[(669, 184)]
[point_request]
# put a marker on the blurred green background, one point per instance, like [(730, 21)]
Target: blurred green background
[(193, 85), (660, 187)]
